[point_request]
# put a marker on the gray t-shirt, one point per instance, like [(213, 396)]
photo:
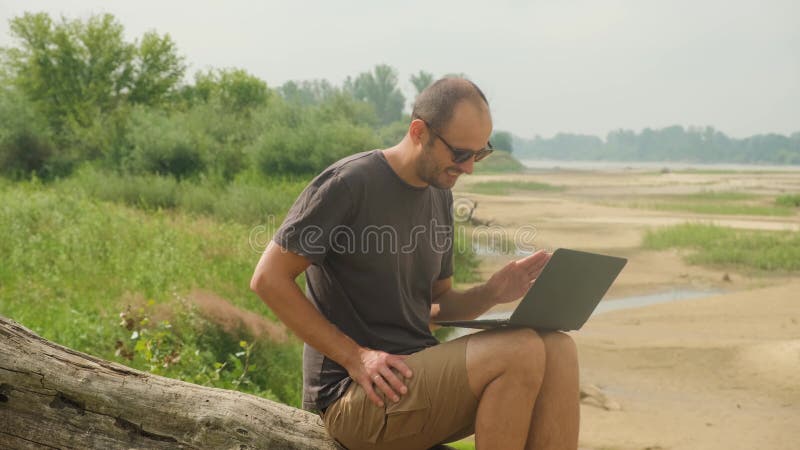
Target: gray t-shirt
[(377, 245)]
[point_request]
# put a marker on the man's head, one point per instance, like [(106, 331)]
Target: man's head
[(449, 116)]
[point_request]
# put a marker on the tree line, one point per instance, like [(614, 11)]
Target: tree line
[(670, 144), (75, 91)]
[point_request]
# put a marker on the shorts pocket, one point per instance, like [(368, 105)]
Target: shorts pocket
[(354, 419), (408, 416)]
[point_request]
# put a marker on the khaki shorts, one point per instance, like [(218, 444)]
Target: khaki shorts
[(438, 408)]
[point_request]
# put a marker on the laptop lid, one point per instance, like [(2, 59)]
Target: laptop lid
[(568, 290)]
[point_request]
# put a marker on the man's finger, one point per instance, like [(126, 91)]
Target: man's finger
[(538, 263), (396, 383), (536, 271), (540, 257), (371, 395), (385, 388), (397, 362)]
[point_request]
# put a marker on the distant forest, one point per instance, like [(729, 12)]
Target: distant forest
[(671, 144), (75, 92)]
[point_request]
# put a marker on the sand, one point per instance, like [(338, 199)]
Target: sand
[(720, 372)]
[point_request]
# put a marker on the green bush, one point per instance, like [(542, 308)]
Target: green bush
[(394, 132), (227, 134), (191, 348), (500, 161), (145, 191), (26, 142), (162, 143), (246, 201), (466, 261), (310, 147), (790, 200)]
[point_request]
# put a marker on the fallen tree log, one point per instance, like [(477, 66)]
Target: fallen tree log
[(55, 397)]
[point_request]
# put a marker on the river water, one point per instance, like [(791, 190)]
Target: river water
[(636, 301)]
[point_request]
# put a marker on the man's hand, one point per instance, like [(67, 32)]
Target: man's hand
[(513, 281), (435, 309), (373, 369)]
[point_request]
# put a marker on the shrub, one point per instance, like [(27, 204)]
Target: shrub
[(147, 191), (309, 147), (157, 142), (717, 245), (26, 143), (246, 201), (790, 200)]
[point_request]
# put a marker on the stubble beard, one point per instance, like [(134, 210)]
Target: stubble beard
[(430, 172)]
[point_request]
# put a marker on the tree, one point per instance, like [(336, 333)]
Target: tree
[(76, 69), (156, 71), (308, 92), (502, 140), (54, 397), (235, 89), (26, 143), (70, 69), (80, 76), (379, 88), (421, 80)]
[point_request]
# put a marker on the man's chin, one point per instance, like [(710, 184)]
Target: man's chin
[(446, 181)]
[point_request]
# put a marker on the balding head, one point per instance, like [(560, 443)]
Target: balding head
[(436, 104)]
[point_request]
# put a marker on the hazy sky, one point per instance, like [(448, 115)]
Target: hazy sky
[(546, 66)]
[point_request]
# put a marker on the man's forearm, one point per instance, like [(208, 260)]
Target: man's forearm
[(464, 305), (287, 301)]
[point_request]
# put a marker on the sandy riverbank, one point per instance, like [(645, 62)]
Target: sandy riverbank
[(712, 373), (716, 373)]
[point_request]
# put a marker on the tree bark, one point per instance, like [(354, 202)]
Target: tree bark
[(55, 397)]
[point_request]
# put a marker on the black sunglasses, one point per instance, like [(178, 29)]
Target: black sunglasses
[(461, 155)]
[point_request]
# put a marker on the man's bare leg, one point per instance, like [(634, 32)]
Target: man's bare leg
[(556, 415), (505, 369)]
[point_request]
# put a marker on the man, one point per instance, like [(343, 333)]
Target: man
[(368, 234)]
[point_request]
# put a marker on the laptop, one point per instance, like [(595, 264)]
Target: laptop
[(564, 295)]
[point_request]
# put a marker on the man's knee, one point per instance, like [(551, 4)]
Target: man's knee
[(560, 345), (500, 351), (524, 352)]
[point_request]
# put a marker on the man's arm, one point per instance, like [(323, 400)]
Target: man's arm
[(274, 282), (506, 285)]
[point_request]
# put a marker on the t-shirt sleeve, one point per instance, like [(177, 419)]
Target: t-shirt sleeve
[(447, 258), (322, 206)]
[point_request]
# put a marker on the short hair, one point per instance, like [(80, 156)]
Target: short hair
[(436, 103)]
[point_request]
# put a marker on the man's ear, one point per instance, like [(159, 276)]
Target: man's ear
[(417, 131)]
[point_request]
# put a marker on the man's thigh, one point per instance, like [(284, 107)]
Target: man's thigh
[(439, 406)]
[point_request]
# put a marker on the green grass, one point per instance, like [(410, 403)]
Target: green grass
[(721, 209), (719, 196), (507, 187), (723, 246), (731, 171), (250, 201), (76, 252), (70, 264), (463, 445), (723, 203), (500, 161), (788, 200)]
